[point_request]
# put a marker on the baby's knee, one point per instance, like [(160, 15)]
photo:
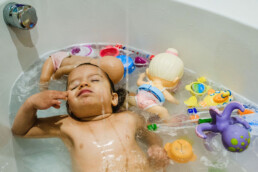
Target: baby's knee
[(44, 79)]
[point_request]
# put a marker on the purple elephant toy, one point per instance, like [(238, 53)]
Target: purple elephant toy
[(235, 137)]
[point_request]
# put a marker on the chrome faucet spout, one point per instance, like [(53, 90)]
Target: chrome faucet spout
[(20, 15)]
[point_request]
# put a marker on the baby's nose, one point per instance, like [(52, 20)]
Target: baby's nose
[(84, 84)]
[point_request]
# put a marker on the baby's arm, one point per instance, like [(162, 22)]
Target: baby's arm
[(157, 155), (147, 137), (27, 124), (46, 73)]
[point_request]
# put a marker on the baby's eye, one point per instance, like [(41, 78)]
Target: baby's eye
[(73, 87), (95, 80)]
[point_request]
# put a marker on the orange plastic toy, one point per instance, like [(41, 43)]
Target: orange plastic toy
[(180, 151)]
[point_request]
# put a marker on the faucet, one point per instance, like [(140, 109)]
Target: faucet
[(20, 15)]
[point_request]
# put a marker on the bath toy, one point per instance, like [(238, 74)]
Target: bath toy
[(194, 117), (163, 74), (252, 120), (191, 102), (109, 51), (192, 111), (166, 67), (247, 111), (119, 46), (151, 57), (140, 61), (155, 91), (207, 120), (235, 138), (152, 127), (252, 107), (180, 151), (198, 88), (215, 98), (128, 64), (85, 50)]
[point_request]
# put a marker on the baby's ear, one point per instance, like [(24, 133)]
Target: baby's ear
[(114, 100)]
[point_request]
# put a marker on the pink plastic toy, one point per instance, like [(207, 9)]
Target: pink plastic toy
[(109, 51), (140, 61)]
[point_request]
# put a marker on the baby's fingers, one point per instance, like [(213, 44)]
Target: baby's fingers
[(56, 103), (60, 95)]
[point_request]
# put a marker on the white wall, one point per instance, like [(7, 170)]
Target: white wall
[(218, 47)]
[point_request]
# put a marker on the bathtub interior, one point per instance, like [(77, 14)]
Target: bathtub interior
[(52, 153), (205, 40)]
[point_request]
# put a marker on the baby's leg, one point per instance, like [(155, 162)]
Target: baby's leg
[(46, 73), (163, 113)]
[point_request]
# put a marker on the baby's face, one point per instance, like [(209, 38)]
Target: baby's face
[(89, 92)]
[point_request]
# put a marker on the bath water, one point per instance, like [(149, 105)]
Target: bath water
[(51, 154)]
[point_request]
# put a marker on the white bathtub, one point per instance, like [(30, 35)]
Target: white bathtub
[(218, 43)]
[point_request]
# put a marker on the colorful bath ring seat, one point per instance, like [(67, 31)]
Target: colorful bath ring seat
[(235, 137), (180, 151)]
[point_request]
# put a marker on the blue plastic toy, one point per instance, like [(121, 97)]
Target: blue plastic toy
[(128, 64)]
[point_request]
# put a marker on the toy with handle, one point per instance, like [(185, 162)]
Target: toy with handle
[(235, 138)]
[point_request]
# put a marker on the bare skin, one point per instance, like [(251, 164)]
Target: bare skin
[(100, 140), (109, 64)]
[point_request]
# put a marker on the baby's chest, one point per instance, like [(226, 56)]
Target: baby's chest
[(98, 137)]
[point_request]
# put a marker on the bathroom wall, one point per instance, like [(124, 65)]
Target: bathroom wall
[(223, 49)]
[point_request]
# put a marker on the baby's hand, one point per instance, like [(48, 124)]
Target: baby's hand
[(46, 99), (157, 157)]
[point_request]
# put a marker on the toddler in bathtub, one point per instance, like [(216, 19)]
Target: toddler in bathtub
[(98, 137)]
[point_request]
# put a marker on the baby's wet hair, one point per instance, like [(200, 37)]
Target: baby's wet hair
[(121, 92)]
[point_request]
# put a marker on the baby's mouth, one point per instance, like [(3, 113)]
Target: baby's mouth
[(84, 92)]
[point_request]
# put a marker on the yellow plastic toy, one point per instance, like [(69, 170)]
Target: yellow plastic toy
[(191, 102), (216, 98), (180, 151), (198, 88)]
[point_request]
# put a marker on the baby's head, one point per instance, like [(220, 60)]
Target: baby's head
[(91, 92), (167, 67)]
